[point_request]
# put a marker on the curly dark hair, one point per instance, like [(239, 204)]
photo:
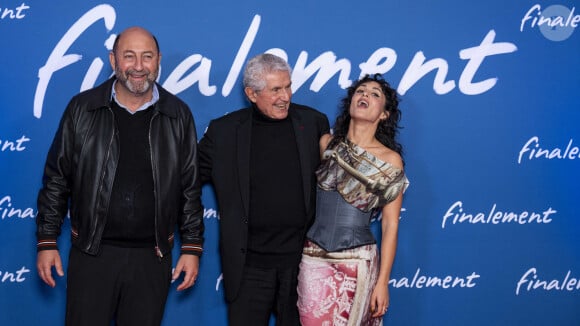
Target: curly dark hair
[(387, 129)]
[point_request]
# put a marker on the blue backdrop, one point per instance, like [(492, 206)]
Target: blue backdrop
[(490, 90)]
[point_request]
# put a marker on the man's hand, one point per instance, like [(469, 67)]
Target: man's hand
[(45, 259), (189, 264)]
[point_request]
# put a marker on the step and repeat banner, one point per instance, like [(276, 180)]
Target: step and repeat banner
[(490, 225)]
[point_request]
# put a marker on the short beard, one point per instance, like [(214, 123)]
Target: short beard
[(135, 88)]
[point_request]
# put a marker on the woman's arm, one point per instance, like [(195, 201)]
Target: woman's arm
[(389, 232), (323, 143)]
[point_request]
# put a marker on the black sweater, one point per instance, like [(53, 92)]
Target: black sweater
[(277, 212), (131, 217)]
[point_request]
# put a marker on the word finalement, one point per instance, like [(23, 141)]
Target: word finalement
[(7, 211), (196, 68), (456, 215), (14, 277), (421, 281), (210, 213), (531, 281), (535, 18), (13, 145), (16, 13), (532, 150)]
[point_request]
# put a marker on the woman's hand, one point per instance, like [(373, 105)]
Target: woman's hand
[(380, 300)]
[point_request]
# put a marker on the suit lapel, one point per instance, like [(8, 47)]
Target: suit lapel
[(303, 154), (243, 138)]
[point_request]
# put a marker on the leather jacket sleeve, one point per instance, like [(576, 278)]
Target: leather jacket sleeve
[(53, 197), (190, 223)]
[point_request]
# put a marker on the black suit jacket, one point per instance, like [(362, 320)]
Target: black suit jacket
[(224, 153)]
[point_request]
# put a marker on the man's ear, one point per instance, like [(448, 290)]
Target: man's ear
[(112, 60), (251, 94)]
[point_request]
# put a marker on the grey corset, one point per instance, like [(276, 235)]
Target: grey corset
[(338, 225)]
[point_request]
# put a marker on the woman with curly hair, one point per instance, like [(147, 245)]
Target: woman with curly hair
[(343, 276)]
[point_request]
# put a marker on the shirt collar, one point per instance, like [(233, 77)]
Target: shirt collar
[(154, 99)]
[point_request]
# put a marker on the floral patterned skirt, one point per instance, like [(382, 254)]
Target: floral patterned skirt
[(335, 288)]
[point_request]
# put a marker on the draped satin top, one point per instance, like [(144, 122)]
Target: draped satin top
[(352, 185)]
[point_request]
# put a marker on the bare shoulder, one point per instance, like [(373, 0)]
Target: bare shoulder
[(324, 140), (388, 155)]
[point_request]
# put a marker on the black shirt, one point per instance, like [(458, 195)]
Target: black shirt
[(277, 211)]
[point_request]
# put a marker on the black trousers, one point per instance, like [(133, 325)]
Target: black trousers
[(127, 286), (265, 291)]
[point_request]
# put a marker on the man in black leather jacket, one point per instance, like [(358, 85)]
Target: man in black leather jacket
[(124, 164)]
